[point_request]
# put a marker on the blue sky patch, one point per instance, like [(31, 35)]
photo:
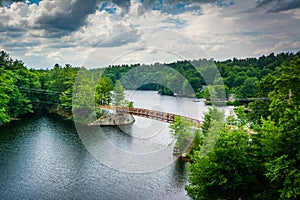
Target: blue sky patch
[(222, 3), (107, 7), (32, 1), (174, 9)]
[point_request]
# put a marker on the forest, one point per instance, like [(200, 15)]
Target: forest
[(255, 154), (23, 89)]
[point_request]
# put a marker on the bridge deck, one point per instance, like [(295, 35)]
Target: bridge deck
[(151, 114)]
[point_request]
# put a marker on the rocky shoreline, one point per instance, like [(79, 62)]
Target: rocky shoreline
[(114, 119), (107, 119)]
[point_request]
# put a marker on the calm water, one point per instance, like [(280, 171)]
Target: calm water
[(44, 157)]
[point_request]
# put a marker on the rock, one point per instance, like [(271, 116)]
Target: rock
[(114, 120)]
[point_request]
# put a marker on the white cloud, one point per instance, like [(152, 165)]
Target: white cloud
[(133, 34), (295, 13)]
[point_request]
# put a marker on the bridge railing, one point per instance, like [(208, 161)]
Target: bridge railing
[(152, 114)]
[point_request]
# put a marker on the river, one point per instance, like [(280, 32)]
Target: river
[(44, 156)]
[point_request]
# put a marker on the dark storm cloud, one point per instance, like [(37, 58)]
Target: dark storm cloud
[(69, 17), (12, 45), (59, 18), (120, 39), (278, 5), (168, 6), (122, 3), (150, 3), (6, 2)]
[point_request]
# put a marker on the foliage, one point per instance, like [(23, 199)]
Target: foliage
[(228, 161), (228, 171), (263, 165), (213, 114), (237, 75), (197, 142), (59, 84), (130, 104), (182, 131), (215, 92), (103, 91), (282, 164), (247, 89), (118, 94), (17, 88), (241, 116)]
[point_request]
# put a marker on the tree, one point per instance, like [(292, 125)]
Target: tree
[(103, 91), (66, 99), (247, 89), (260, 107), (281, 133), (83, 101), (228, 171), (242, 119), (215, 92), (118, 94), (17, 87), (182, 131), (6, 84), (213, 114)]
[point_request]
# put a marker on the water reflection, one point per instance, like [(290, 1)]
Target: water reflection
[(43, 157)]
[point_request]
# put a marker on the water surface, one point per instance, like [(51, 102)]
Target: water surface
[(44, 157)]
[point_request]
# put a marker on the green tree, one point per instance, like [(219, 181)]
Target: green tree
[(212, 114), (103, 91), (228, 171), (281, 133), (215, 92), (17, 88), (83, 101), (118, 94), (6, 85), (247, 89), (260, 107), (242, 119), (183, 132)]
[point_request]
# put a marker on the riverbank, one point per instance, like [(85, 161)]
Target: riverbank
[(111, 119), (53, 108)]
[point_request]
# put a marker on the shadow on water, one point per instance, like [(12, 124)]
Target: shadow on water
[(180, 173)]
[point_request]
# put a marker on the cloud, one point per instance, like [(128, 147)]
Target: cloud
[(165, 6), (231, 32), (56, 17), (278, 5), (121, 39), (8, 2), (145, 31), (64, 15), (294, 13)]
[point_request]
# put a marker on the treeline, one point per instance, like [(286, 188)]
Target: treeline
[(21, 88), (236, 76), (253, 155), (63, 89)]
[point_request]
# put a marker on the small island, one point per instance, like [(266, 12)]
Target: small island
[(114, 119), (111, 117)]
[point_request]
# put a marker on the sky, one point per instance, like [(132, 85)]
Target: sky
[(98, 33)]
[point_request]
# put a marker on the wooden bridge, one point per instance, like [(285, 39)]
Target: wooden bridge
[(151, 114)]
